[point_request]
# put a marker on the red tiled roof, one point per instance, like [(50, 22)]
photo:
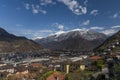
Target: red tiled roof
[(35, 64), (95, 58), (56, 74)]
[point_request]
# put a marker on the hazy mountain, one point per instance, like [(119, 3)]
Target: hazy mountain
[(110, 44), (12, 43), (77, 39)]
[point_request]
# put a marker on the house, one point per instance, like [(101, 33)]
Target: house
[(3, 74), (36, 65), (95, 58), (21, 70), (7, 68), (68, 66), (2, 64), (118, 56), (56, 76)]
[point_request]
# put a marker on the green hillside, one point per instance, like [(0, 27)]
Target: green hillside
[(112, 44)]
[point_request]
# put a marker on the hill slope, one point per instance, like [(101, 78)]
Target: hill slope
[(111, 44), (12, 43)]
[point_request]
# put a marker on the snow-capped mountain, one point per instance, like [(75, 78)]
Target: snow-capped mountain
[(73, 39)]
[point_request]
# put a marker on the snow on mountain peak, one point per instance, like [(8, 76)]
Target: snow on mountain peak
[(85, 30), (59, 33), (83, 33)]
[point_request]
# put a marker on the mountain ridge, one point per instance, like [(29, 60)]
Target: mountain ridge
[(109, 42), (11, 43), (74, 39)]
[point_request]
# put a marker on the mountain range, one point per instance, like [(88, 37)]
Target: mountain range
[(77, 39), (11, 43)]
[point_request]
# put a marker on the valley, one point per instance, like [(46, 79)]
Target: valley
[(70, 61)]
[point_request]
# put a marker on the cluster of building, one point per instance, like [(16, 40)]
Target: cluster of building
[(113, 45), (33, 67)]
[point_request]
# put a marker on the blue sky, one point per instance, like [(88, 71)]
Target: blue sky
[(40, 18)]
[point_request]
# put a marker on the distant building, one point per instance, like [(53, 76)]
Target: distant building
[(7, 68), (36, 65), (95, 58), (68, 66), (21, 70), (2, 64)]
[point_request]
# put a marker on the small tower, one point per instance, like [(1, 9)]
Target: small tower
[(67, 68)]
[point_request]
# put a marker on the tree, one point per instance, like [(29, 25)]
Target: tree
[(101, 77)]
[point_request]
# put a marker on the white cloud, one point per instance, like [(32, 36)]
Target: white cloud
[(36, 9), (94, 12), (41, 33), (34, 34), (85, 2), (39, 37), (115, 15), (112, 30), (109, 31), (84, 10), (113, 27), (46, 2), (59, 26), (27, 32), (27, 6), (97, 28), (85, 23), (74, 6), (43, 11)]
